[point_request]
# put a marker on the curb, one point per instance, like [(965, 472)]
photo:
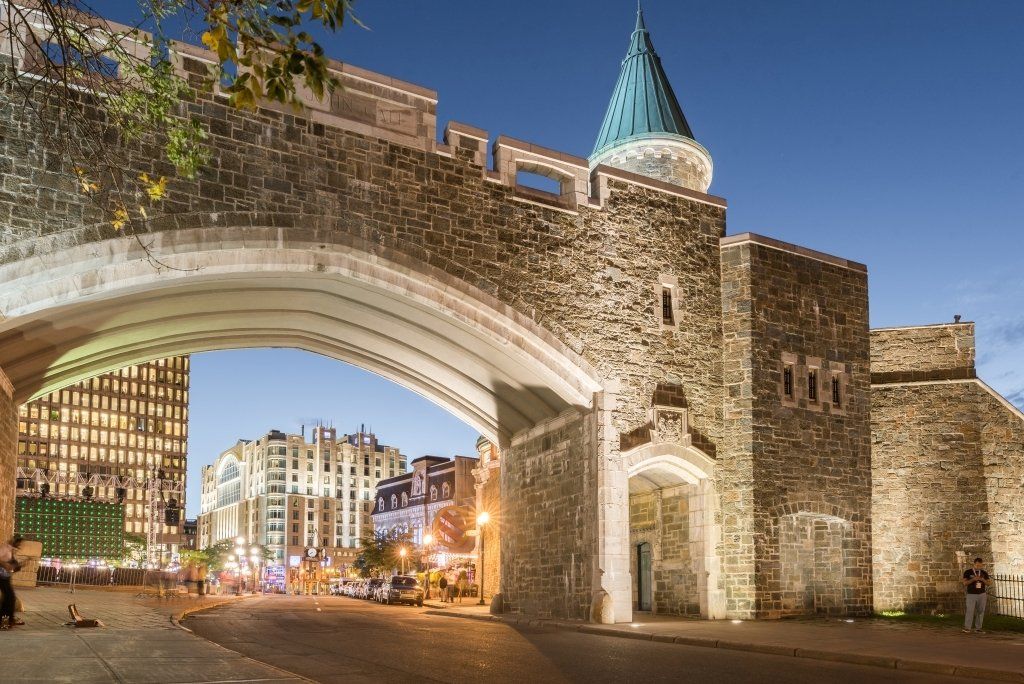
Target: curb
[(176, 621), (887, 662)]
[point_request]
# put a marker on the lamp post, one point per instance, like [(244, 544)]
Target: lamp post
[(74, 573), (428, 539), (402, 552), (481, 521), (240, 554)]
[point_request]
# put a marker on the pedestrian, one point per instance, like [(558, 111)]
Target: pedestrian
[(442, 585), (8, 566), (976, 580), (463, 583)]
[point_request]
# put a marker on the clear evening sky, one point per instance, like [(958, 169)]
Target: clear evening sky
[(885, 132)]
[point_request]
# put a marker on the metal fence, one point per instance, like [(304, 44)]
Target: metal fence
[(104, 576), (1008, 592)]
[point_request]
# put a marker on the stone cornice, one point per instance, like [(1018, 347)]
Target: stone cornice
[(772, 243)]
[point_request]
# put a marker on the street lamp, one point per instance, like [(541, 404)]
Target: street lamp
[(482, 519), (428, 539), (402, 552)]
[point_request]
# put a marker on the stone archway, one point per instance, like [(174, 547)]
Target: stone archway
[(674, 507), (103, 306)]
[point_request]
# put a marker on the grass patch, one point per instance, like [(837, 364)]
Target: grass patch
[(993, 623)]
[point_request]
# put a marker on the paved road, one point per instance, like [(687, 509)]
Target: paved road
[(337, 639)]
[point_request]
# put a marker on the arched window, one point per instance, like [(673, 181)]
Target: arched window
[(228, 471), (394, 502), (446, 491), (380, 504), (405, 499), (433, 492)]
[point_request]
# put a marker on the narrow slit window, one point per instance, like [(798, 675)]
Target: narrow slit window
[(787, 381), (812, 385), (667, 316), (836, 392)]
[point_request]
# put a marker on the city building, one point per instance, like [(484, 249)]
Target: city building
[(189, 530), (293, 495), (411, 502), (104, 441)]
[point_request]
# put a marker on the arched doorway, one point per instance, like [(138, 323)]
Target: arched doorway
[(674, 531)]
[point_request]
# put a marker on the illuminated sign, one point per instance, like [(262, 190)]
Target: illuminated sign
[(451, 529)]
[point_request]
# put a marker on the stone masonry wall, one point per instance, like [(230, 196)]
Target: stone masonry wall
[(794, 456), (8, 456), (932, 352), (588, 274), (948, 472), (548, 520)]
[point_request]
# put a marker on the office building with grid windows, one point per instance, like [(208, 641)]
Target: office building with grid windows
[(132, 424)]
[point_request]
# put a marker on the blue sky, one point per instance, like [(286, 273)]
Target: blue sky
[(885, 132)]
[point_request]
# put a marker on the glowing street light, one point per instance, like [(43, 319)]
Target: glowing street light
[(482, 518), (402, 552)]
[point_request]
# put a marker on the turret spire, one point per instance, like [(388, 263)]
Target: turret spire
[(643, 108)]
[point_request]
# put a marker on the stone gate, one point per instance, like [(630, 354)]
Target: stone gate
[(609, 337)]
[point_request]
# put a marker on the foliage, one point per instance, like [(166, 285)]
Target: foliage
[(380, 552), (218, 555), (134, 549), (193, 557), (96, 89)]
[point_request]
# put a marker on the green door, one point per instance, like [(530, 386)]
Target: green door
[(643, 576)]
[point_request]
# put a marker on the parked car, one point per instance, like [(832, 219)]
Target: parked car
[(372, 586), (402, 589)]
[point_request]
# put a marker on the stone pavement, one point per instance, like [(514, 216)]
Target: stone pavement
[(906, 646), (138, 642)]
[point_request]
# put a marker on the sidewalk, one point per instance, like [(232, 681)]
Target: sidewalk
[(864, 641), (138, 642)]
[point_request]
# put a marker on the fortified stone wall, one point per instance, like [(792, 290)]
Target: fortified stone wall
[(947, 470), (932, 352), (366, 172), (795, 478), (548, 519), (491, 501)]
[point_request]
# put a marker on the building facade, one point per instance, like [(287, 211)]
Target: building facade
[(104, 440), (291, 494), (412, 501)]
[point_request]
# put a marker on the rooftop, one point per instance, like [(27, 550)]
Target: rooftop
[(643, 103)]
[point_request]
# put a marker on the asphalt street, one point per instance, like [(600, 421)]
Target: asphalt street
[(337, 639)]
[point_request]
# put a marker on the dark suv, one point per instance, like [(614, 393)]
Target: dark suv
[(402, 589)]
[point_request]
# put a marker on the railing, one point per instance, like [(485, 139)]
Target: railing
[(101, 577), (1008, 592)]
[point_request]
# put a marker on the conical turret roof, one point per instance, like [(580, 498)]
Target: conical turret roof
[(643, 102)]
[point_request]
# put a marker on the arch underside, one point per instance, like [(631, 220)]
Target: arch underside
[(104, 306)]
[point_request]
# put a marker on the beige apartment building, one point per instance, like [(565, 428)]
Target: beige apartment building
[(292, 495), (103, 439)]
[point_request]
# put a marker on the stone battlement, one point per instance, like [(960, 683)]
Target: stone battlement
[(379, 106)]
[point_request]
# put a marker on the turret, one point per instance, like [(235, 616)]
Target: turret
[(644, 130)]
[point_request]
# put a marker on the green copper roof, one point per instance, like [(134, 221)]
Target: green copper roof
[(643, 102)]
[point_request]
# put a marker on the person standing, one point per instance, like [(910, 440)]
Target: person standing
[(442, 585), (8, 566), (976, 580), (463, 583)]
